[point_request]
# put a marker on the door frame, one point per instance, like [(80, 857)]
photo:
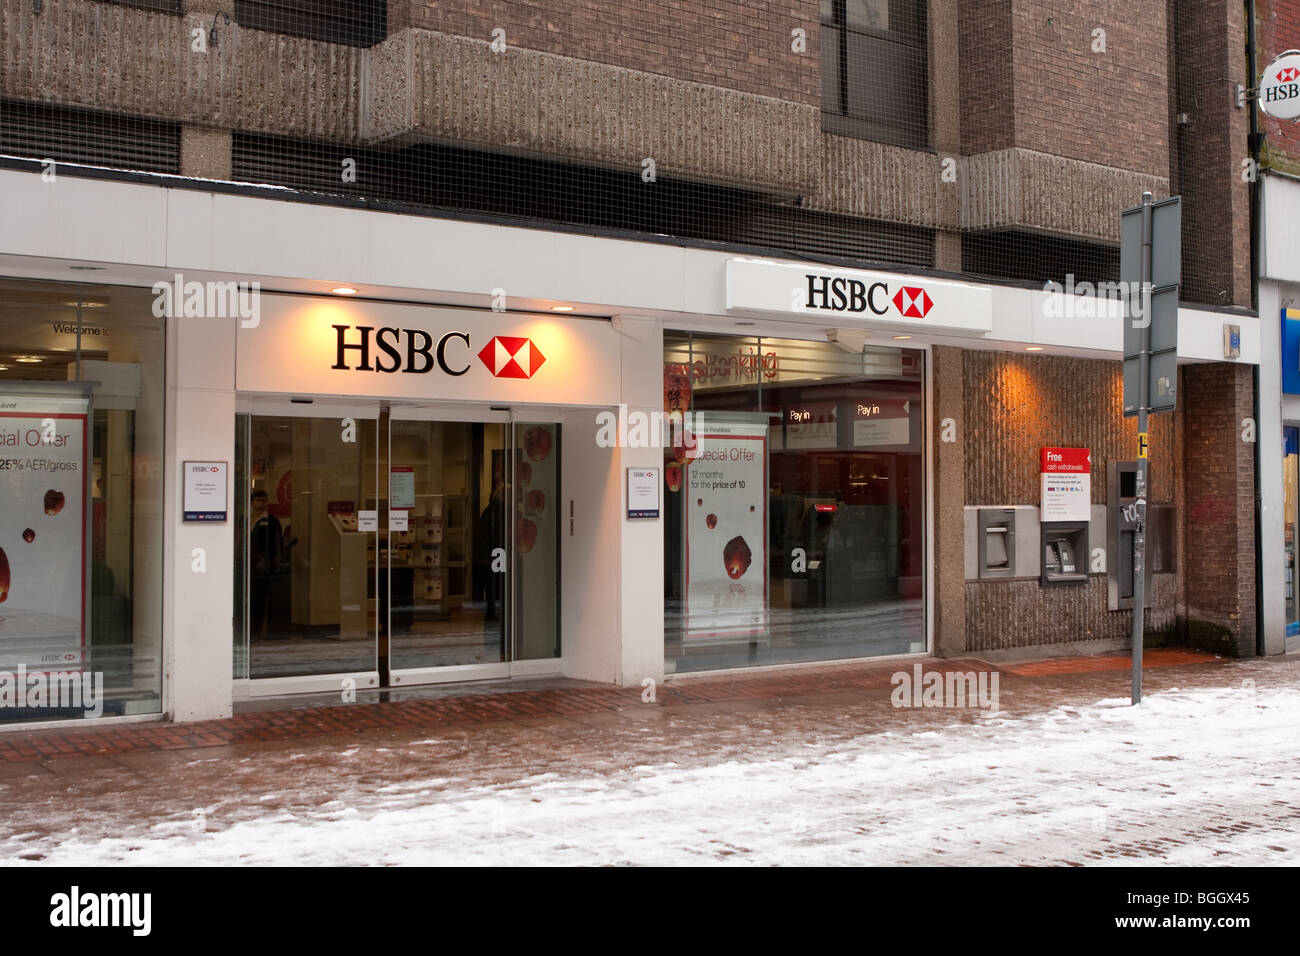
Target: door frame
[(511, 667), (254, 687)]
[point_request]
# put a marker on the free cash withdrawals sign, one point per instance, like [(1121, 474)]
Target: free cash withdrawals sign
[(1067, 484), (726, 531), (43, 474)]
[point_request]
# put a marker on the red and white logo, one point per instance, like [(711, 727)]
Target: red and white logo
[(912, 302), (1290, 73), (511, 356)]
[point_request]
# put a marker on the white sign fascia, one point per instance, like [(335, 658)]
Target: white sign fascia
[(848, 297), (426, 353)]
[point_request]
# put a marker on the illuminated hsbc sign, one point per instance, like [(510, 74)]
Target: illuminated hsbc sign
[(310, 346), (760, 287), (365, 348)]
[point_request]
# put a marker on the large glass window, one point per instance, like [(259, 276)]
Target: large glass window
[(874, 80), (81, 451), (795, 502)]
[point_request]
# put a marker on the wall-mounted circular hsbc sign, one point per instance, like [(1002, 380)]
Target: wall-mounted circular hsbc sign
[(1279, 87)]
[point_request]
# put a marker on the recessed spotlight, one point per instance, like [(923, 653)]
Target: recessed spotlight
[(561, 308), (897, 337), (344, 290), (1033, 348)]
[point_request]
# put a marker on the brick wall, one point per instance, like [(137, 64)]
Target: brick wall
[(1209, 150), (987, 95), (1219, 522), (739, 44), (1010, 405), (1103, 107), (1031, 78), (1014, 404)]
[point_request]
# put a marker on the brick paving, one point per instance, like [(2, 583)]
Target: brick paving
[(470, 705)]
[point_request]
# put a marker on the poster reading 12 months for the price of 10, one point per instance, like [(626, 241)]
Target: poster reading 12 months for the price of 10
[(726, 532), (42, 532)]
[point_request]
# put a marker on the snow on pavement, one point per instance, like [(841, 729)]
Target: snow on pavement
[(1192, 777)]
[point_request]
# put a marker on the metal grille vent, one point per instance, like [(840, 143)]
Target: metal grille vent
[(66, 135), (1030, 257), (349, 22), (540, 192)]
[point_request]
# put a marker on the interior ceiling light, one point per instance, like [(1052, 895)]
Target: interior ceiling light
[(87, 305), (902, 337), (744, 323), (1033, 348), (87, 268), (28, 359), (344, 290), (561, 308)]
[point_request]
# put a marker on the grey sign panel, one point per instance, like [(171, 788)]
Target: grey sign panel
[(1130, 246), (1164, 381), (1151, 324), (1166, 242), (1164, 320), (1130, 386)]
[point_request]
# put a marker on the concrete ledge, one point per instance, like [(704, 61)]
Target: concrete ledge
[(427, 86), (878, 181), (140, 62), (1023, 189)]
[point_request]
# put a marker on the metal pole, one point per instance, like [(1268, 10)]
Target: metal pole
[(1144, 402)]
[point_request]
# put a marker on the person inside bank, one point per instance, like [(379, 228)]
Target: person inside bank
[(268, 554)]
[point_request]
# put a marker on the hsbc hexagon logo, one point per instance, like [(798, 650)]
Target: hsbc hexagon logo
[(912, 302), (511, 356)]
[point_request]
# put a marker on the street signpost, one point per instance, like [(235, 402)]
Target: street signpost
[(1150, 265)]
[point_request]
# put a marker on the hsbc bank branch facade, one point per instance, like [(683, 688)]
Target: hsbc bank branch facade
[(435, 446)]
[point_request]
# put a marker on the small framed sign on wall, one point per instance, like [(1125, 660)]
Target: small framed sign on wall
[(643, 492), (205, 495)]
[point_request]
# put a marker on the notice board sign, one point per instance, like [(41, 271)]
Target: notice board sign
[(643, 492), (1067, 484), (204, 497)]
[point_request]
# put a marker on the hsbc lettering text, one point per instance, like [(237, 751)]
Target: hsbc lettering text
[(416, 358), (846, 295)]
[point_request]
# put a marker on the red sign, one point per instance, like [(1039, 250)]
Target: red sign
[(1072, 461)]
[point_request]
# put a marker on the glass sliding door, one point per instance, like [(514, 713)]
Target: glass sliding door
[(535, 556), (470, 557), (306, 548), (445, 560)]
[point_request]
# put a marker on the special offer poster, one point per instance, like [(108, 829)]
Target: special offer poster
[(42, 533), (726, 531)]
